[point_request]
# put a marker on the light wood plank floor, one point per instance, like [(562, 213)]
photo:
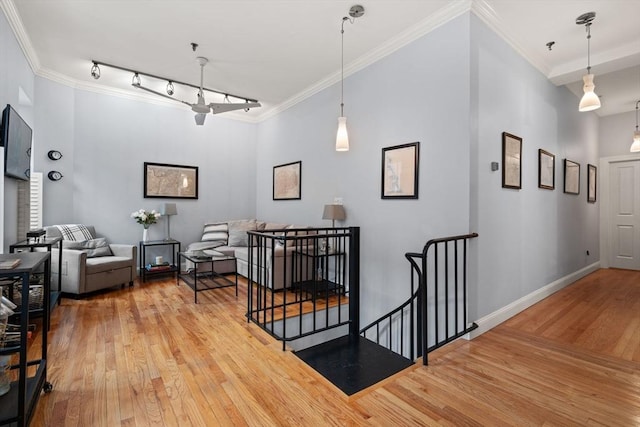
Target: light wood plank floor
[(149, 356)]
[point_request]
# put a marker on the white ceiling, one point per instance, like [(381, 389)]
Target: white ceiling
[(281, 51)]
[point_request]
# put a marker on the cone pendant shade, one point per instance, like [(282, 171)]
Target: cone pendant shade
[(342, 138), (590, 100), (635, 147)]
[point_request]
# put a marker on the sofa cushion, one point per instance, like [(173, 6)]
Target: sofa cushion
[(200, 246), (77, 232), (238, 232), (217, 232), (92, 247), (107, 263)]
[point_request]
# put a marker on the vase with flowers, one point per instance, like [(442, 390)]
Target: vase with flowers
[(146, 218)]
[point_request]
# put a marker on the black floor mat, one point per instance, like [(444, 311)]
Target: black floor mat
[(353, 364)]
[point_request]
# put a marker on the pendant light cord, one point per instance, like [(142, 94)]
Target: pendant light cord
[(342, 68), (637, 103), (588, 25)]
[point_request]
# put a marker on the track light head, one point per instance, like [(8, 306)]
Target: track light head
[(95, 71), (135, 80), (170, 89)]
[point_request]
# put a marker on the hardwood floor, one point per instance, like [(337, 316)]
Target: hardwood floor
[(148, 355)]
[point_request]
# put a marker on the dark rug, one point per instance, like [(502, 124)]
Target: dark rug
[(353, 364)]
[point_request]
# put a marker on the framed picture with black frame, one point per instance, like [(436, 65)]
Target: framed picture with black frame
[(546, 170), (287, 180), (571, 177), (592, 185), (400, 171), (511, 161), (166, 181)]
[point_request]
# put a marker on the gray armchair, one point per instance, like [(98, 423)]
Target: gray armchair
[(86, 268)]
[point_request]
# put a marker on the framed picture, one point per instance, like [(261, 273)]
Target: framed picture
[(400, 171), (166, 181), (592, 177), (511, 161), (546, 170), (571, 177), (286, 181)]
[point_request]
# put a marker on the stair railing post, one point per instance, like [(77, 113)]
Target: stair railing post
[(354, 281)]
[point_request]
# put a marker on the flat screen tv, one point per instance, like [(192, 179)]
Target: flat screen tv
[(16, 140)]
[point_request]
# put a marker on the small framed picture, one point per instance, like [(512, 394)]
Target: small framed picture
[(400, 171), (592, 178), (546, 170), (511, 161), (287, 179), (571, 177), (165, 181)]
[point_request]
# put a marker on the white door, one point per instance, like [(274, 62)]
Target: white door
[(624, 181)]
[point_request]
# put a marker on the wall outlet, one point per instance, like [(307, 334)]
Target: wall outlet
[(337, 200)]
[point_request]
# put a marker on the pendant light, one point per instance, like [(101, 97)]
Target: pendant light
[(342, 137), (590, 100), (635, 147)]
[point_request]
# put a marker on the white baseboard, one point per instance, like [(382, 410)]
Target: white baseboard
[(494, 319)]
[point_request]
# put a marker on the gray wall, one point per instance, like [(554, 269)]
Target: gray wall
[(419, 93), (529, 237), (616, 134), (105, 141), (16, 88)]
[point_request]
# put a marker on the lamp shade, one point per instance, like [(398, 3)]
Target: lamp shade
[(342, 138), (590, 100), (169, 209), (334, 212), (635, 147)]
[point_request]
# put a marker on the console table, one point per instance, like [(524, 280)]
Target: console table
[(172, 268)]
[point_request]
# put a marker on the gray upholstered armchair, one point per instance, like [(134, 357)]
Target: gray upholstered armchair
[(89, 263)]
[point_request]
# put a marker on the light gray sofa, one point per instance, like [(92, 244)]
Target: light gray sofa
[(88, 269), (231, 238)]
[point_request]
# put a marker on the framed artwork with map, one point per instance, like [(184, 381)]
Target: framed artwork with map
[(287, 180), (511, 161), (167, 181)]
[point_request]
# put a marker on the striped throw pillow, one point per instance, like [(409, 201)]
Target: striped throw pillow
[(75, 232), (218, 232)]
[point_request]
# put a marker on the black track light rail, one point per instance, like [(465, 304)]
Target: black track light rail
[(100, 63)]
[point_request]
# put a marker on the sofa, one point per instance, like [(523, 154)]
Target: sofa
[(232, 238), (89, 262)]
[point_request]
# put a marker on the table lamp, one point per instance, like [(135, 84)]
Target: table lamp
[(169, 209), (334, 212)]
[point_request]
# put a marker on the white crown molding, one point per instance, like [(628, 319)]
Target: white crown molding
[(485, 12), (441, 17), (10, 12)]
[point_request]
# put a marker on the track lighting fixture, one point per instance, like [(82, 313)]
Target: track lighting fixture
[(95, 71), (200, 107), (342, 137), (635, 147), (590, 100)]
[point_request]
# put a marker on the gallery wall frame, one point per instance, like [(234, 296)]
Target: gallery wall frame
[(287, 181), (592, 182), (571, 177), (511, 161), (546, 170), (167, 181), (400, 171)]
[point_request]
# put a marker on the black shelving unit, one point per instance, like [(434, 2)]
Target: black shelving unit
[(173, 267), (17, 406), (46, 243)]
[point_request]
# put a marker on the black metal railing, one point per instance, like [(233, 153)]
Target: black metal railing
[(436, 311), (301, 280)]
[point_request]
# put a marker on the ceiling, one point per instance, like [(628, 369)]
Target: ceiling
[(282, 51)]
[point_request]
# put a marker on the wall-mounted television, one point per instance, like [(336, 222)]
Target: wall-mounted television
[(15, 137)]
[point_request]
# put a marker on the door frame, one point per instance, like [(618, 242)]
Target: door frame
[(605, 204)]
